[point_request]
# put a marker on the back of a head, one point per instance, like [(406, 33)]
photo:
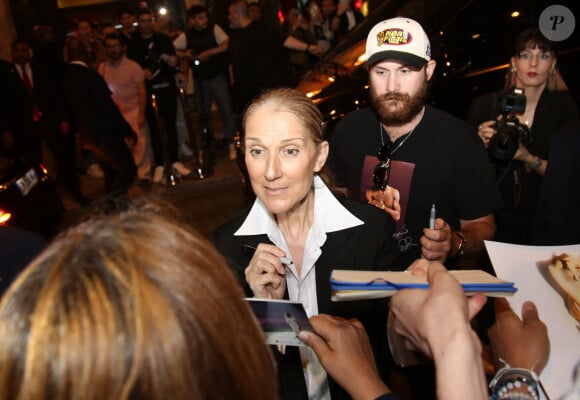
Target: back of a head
[(76, 50), (195, 10), (241, 7), (124, 11), (130, 306), (144, 11)]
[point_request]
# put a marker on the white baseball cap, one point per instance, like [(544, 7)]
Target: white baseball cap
[(401, 39)]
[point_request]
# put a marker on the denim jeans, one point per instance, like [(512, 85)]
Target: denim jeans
[(217, 88)]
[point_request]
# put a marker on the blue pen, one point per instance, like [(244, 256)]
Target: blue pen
[(432, 217)]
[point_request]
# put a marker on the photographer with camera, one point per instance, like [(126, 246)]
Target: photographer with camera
[(516, 126), (204, 45), (155, 53)]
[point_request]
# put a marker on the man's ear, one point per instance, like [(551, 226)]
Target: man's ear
[(430, 68)]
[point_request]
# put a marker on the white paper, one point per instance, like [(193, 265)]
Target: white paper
[(525, 265)]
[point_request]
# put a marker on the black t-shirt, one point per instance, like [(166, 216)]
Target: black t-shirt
[(199, 41), (449, 169), (254, 53), (149, 54)]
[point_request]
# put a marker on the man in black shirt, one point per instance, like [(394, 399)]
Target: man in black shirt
[(155, 53), (254, 54), (127, 31), (433, 157), (205, 45)]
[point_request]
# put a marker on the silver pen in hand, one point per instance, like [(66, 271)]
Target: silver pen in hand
[(432, 217), (250, 250)]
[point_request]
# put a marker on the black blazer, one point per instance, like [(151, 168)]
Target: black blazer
[(93, 112), (364, 247), (17, 103)]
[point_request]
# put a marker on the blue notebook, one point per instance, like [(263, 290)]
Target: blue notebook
[(358, 285)]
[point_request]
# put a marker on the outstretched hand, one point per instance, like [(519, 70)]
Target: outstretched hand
[(344, 351), (436, 322), (520, 343), (430, 319)]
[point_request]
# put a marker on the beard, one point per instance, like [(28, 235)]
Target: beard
[(398, 108)]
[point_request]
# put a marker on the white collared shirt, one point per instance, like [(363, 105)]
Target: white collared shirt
[(79, 62), (25, 70), (329, 216)]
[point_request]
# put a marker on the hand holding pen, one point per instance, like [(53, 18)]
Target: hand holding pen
[(432, 216), (436, 240), (266, 272)]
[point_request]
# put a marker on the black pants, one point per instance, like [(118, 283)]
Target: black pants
[(63, 148)]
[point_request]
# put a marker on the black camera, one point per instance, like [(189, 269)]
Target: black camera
[(510, 132)]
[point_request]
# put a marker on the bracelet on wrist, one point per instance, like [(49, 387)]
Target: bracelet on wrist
[(535, 165), (462, 244), (515, 383)]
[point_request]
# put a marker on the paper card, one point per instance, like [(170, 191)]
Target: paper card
[(527, 267), (281, 320)]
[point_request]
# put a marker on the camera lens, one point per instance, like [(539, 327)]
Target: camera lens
[(504, 144)]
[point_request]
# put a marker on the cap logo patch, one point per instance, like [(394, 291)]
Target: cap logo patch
[(394, 37)]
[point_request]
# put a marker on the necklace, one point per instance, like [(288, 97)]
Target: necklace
[(401, 143), (528, 118)]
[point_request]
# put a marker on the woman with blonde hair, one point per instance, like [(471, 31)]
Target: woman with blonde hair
[(131, 306), (297, 231), (521, 162)]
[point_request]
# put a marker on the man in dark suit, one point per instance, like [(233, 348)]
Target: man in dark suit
[(33, 113), (102, 128)]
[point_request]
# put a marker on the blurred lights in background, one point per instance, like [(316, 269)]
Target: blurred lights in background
[(4, 216), (313, 93), (515, 14)]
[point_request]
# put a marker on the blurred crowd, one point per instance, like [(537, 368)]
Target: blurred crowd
[(156, 75)]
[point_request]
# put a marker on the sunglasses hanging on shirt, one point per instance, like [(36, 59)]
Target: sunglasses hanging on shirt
[(382, 170)]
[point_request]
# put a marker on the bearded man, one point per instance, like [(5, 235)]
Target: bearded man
[(427, 156)]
